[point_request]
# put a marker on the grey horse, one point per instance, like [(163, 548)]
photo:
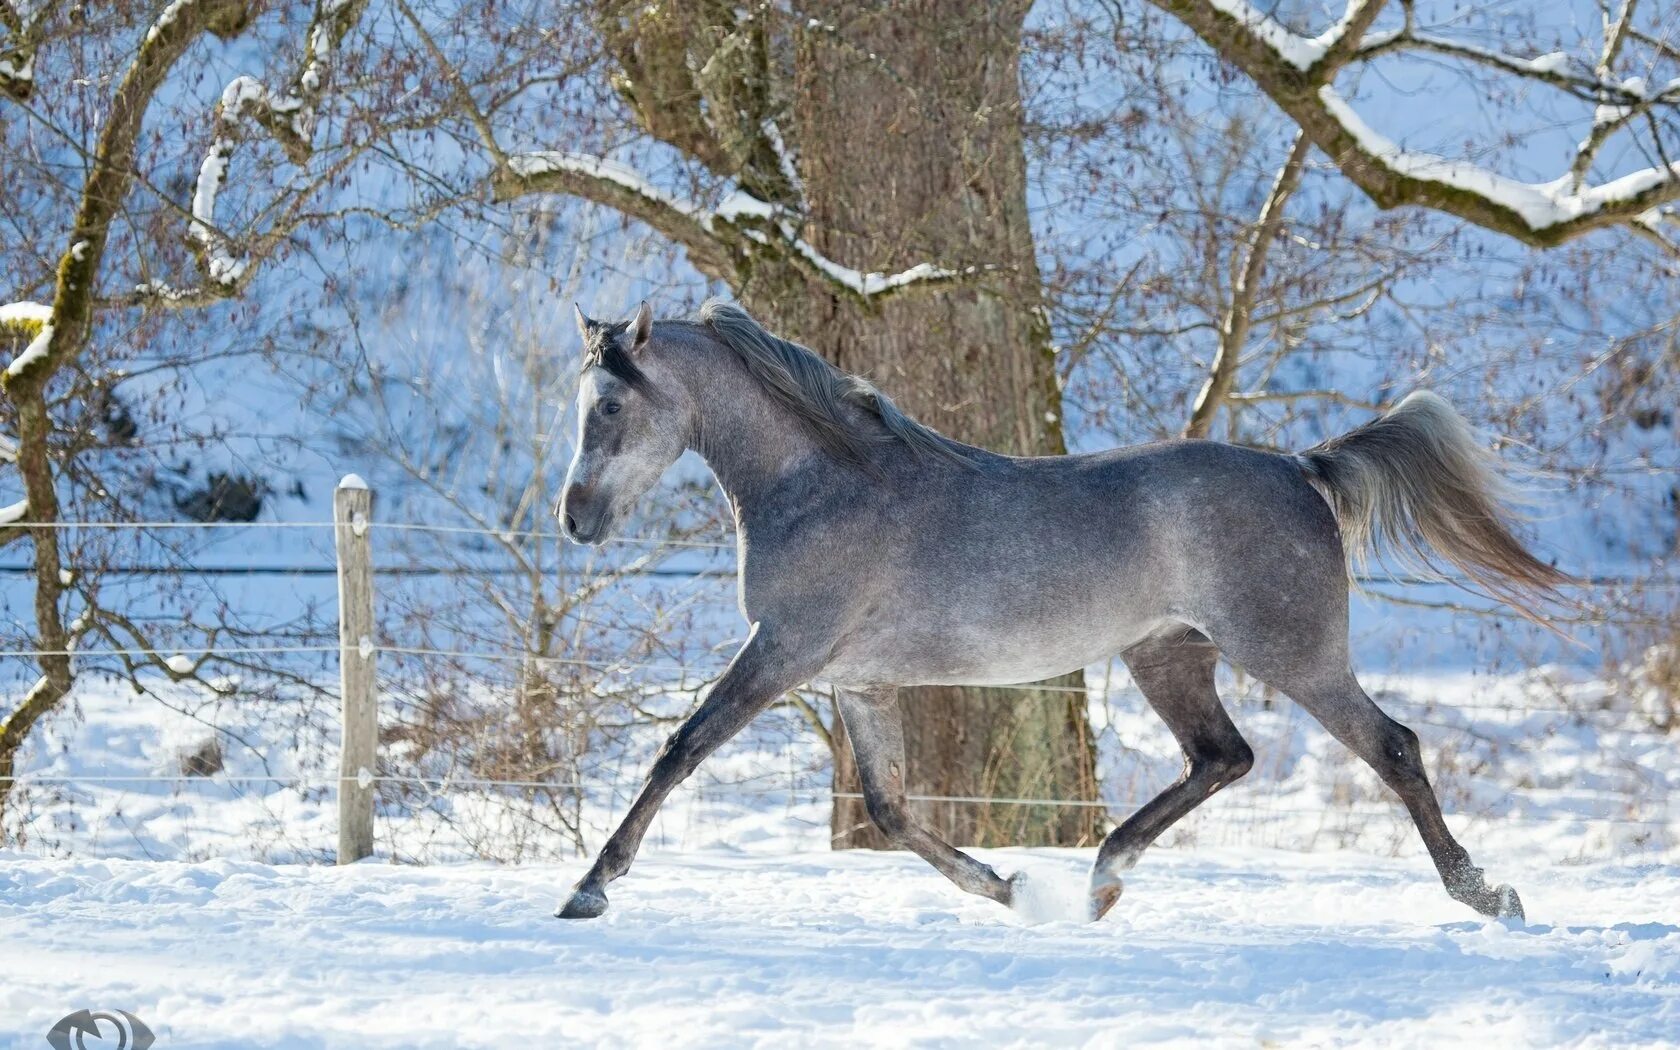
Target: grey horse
[(876, 553)]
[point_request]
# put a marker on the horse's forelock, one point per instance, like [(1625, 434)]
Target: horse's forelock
[(605, 349)]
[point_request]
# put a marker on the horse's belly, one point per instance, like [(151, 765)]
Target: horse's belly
[(973, 656)]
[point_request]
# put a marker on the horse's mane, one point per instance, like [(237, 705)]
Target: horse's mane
[(819, 393)]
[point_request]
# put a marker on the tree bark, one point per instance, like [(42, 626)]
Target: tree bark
[(909, 120)]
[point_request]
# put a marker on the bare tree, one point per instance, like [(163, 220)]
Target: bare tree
[(527, 673), (114, 254)]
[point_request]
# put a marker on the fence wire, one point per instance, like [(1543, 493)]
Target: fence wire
[(617, 789)]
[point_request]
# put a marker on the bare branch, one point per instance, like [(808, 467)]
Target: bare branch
[(615, 186), (1233, 334), (457, 86), (1255, 397)]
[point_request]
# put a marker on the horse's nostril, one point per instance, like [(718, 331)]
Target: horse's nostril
[(571, 525)]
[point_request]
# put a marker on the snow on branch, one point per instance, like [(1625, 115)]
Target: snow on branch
[(35, 351), (17, 55), (1541, 205), (755, 218), (27, 319), (547, 162), (713, 237), (1298, 73), (289, 118), (1299, 51), (33, 320), (622, 188), (24, 317), (873, 284)]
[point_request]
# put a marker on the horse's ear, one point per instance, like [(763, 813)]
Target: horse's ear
[(583, 322), (640, 327)]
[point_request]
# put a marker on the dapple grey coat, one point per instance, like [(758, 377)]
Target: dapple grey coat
[(875, 553)]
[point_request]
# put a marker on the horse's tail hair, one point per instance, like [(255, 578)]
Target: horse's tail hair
[(1414, 484)]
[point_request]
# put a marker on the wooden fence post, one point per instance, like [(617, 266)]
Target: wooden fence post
[(358, 711)]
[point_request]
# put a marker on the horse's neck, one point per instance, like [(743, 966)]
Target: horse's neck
[(751, 442)]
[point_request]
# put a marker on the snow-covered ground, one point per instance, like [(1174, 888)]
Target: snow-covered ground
[(202, 906), (1207, 948), (1551, 763)]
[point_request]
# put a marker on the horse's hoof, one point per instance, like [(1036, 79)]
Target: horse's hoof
[(1510, 905), (1104, 897), (583, 904), (1012, 891)]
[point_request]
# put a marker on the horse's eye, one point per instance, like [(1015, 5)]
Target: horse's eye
[(610, 407)]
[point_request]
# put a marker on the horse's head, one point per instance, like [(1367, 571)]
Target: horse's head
[(630, 426)]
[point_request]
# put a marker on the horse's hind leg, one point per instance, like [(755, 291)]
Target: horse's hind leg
[(877, 733), (1392, 750), (1174, 671)]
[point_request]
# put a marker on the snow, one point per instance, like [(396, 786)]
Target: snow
[(784, 156), (352, 481), (35, 351), (1219, 948), (743, 204), (180, 664), (18, 73), (1299, 51), (873, 283), (532, 164), (737, 205), (183, 901), (1539, 204), (166, 18), (240, 92), (223, 267), (14, 512), (210, 175), (24, 313)]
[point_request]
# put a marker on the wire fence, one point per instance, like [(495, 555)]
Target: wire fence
[(169, 657), (713, 788), (509, 534)]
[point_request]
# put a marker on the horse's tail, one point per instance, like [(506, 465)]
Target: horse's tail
[(1415, 483)]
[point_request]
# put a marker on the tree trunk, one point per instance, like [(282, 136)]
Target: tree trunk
[(909, 124)]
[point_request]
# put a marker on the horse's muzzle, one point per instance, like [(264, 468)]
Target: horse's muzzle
[(581, 523)]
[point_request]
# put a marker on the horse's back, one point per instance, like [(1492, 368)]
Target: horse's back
[(1024, 568)]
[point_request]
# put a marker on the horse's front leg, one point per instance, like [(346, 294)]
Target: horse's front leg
[(768, 665)]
